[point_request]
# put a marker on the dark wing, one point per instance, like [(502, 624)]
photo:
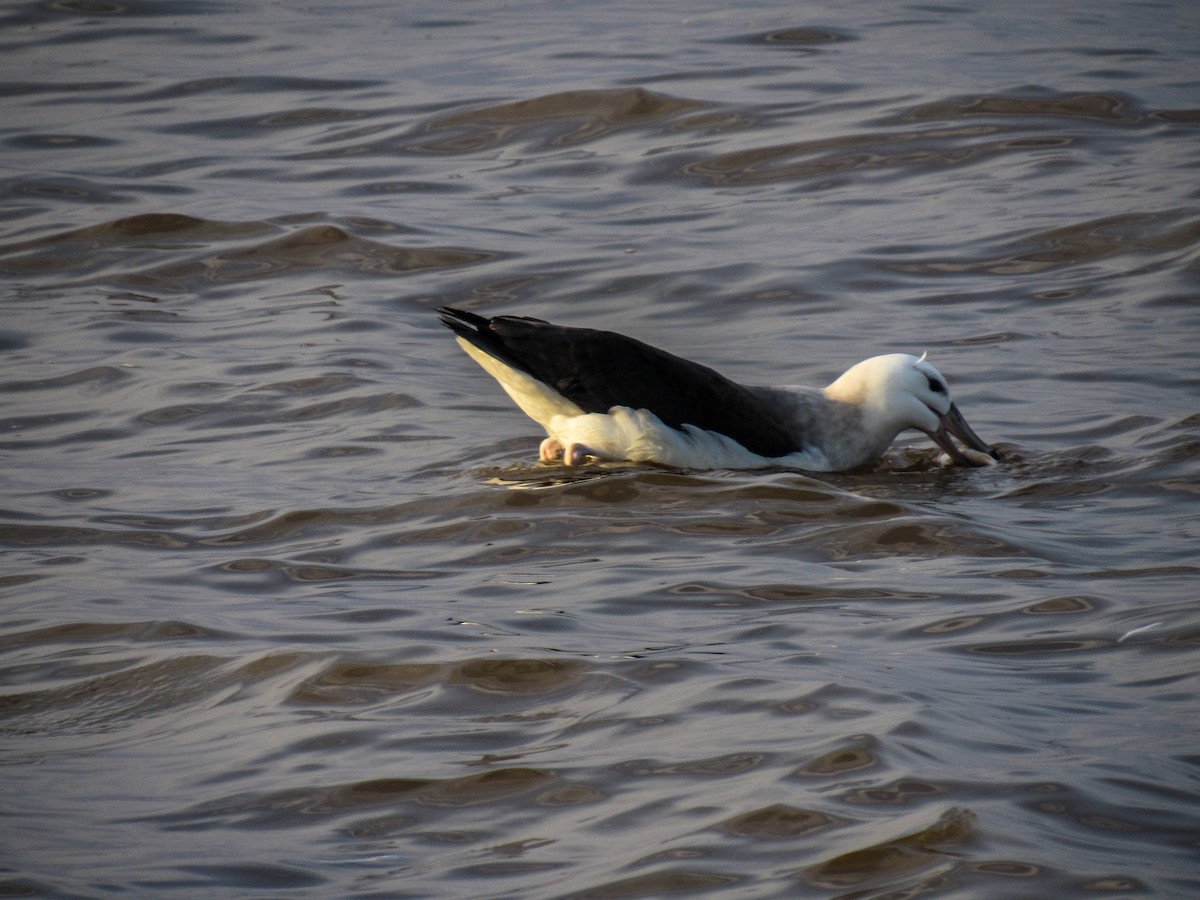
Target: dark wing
[(597, 370)]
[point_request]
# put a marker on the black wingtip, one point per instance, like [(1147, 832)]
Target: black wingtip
[(500, 337), (462, 322)]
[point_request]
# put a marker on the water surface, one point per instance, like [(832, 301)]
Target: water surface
[(290, 607)]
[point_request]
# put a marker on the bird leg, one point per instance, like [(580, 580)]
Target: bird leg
[(575, 454), (550, 450)]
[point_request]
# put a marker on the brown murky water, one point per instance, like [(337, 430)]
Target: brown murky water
[(289, 607)]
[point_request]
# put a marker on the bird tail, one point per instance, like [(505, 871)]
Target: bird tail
[(465, 324)]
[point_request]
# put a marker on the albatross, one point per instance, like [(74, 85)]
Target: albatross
[(605, 396)]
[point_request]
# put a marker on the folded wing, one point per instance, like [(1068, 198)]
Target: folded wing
[(597, 370)]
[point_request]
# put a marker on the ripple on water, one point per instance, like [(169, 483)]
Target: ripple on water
[(1073, 245), (157, 240), (564, 119), (777, 822), (353, 682), (928, 850), (135, 691)]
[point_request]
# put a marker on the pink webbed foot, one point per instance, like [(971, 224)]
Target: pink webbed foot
[(550, 450), (576, 454)]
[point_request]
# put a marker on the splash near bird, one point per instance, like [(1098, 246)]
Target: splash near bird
[(605, 396)]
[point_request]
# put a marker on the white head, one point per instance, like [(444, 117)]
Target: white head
[(897, 392)]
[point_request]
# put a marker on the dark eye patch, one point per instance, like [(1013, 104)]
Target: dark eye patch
[(936, 386)]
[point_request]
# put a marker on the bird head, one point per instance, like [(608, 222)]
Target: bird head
[(896, 392)]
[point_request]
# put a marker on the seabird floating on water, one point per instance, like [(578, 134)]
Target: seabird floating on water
[(607, 396)]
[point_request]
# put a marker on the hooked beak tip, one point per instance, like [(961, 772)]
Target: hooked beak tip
[(952, 423)]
